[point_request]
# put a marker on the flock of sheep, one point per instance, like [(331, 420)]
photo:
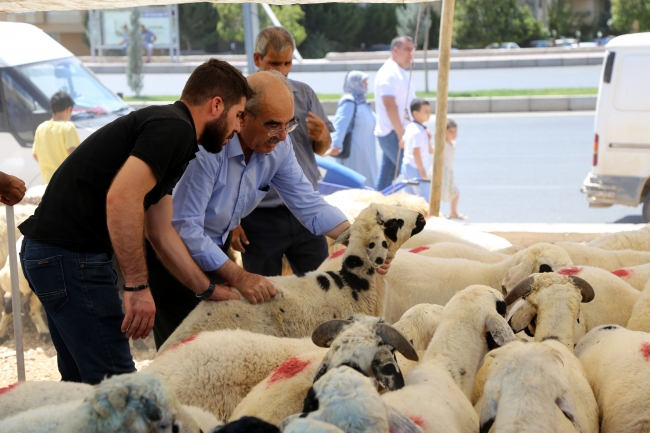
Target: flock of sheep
[(466, 333)]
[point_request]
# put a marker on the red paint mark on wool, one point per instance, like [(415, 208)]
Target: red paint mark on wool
[(417, 420), (187, 340), (338, 253), (419, 249), (8, 388), (289, 369), (645, 350), (622, 272), (573, 270)]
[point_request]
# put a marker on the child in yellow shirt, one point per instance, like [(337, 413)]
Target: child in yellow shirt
[(56, 138)]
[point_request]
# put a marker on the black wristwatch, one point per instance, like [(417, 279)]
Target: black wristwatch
[(205, 295), (136, 288)]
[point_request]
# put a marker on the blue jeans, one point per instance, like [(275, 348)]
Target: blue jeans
[(84, 311), (390, 147), (423, 189)]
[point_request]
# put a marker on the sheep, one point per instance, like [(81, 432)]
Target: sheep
[(616, 360), (555, 301), (305, 301), (247, 425), (527, 390), (349, 400), (419, 323), (35, 306), (430, 237), (613, 303), (486, 240), (437, 391), (310, 425), (638, 240), (585, 255), (363, 343), (452, 250), (640, 317), (21, 213), (635, 276), (136, 402), (414, 279), (353, 201)]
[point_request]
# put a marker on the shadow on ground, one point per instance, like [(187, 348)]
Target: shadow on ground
[(630, 219)]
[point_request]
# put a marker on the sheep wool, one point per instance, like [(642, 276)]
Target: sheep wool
[(587, 255), (305, 301), (638, 240)]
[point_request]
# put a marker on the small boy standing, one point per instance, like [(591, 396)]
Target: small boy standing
[(56, 138), (417, 149), (450, 191)]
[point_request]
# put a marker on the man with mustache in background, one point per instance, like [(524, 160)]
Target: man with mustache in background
[(106, 197), (218, 190)]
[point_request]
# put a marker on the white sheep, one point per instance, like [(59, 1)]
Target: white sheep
[(486, 240), (365, 344), (419, 323), (613, 302), (616, 360), (305, 301), (414, 279), (635, 276), (437, 391), (349, 400), (310, 425), (555, 302), (586, 255), (640, 317), (136, 402), (353, 201), (527, 389), (638, 240), (35, 307), (23, 396), (453, 250)]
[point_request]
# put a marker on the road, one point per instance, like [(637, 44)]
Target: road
[(459, 80), (528, 168)]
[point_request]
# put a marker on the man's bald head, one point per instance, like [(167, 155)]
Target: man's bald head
[(263, 81)]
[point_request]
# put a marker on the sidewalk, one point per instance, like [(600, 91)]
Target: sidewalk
[(527, 234)]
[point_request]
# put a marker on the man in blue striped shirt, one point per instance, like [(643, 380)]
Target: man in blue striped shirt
[(217, 190)]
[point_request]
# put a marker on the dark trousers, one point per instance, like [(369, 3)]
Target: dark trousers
[(174, 301), (84, 311), (389, 161), (273, 232)]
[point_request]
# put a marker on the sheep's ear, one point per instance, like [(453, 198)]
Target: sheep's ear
[(499, 329), (488, 414), (343, 238), (517, 273), (568, 408), (327, 332), (400, 423), (386, 370)]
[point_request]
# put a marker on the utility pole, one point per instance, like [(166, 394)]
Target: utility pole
[(444, 54), (251, 29)]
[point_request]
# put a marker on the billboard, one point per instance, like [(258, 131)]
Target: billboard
[(158, 21)]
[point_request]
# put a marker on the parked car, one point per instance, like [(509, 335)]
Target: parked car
[(32, 68), (503, 46), (566, 42), (620, 171), (542, 43)]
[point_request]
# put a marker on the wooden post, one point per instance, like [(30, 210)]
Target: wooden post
[(444, 54)]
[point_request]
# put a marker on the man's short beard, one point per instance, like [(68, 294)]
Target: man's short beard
[(214, 134)]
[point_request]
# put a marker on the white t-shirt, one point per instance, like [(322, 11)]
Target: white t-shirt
[(392, 80), (416, 137)]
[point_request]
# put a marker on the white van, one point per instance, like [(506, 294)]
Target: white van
[(33, 67), (621, 157)]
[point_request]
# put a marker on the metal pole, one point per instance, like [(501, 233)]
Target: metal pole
[(276, 22), (536, 9), (15, 293), (170, 16), (444, 54), (91, 34), (249, 37)]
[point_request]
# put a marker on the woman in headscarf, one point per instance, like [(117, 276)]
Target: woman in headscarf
[(353, 106)]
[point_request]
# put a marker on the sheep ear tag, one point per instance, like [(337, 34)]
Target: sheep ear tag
[(343, 238)]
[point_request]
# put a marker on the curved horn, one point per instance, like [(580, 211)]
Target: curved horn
[(327, 332), (521, 289), (394, 338), (585, 288)]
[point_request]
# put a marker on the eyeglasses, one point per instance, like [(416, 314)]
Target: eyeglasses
[(275, 131)]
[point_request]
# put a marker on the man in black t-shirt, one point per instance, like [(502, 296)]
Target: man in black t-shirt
[(104, 199)]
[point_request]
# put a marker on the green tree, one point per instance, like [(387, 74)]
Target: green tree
[(134, 63), (565, 21), (407, 16), (631, 15), (332, 27), (231, 22), (198, 25), (378, 26), (478, 23)]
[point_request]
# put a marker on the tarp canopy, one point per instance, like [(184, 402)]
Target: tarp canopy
[(75, 5)]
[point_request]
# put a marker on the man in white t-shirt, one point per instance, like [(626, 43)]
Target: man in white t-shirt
[(393, 96)]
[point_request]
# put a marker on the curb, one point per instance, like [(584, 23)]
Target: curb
[(514, 104)]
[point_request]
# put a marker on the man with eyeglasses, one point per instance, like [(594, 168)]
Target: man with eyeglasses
[(217, 190), (271, 230)]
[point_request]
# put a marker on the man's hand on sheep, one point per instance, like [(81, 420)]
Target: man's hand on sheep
[(239, 239), (255, 288), (383, 269), (140, 312)]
